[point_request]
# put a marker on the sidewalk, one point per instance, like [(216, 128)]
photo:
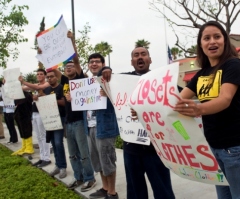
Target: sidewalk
[(183, 189)]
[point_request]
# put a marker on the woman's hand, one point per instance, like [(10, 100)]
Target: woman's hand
[(188, 107)]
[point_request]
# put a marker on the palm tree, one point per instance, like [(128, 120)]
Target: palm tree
[(192, 50), (176, 52), (104, 49), (142, 43)]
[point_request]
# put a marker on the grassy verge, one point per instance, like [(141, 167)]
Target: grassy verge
[(20, 180)]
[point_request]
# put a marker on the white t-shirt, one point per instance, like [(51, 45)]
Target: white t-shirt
[(91, 117)]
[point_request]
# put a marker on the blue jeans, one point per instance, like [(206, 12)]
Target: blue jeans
[(58, 148), (79, 152), (229, 162), (159, 176)]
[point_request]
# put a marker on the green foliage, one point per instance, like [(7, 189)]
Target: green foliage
[(103, 48), (20, 180), (176, 52), (192, 50), (119, 143), (142, 43), (31, 77), (11, 26), (84, 48)]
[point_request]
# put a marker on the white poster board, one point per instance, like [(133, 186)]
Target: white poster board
[(48, 110), (177, 139), (119, 90), (85, 94), (8, 102), (12, 86), (56, 47)]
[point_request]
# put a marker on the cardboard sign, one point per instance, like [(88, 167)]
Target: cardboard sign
[(48, 110)]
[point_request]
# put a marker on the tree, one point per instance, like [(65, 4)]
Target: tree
[(31, 77), (192, 50), (42, 28), (11, 26), (142, 43), (104, 49), (83, 46), (189, 15), (176, 52)]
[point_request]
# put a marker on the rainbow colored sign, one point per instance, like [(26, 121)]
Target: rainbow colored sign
[(56, 47)]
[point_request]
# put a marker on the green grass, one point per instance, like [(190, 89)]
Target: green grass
[(20, 180)]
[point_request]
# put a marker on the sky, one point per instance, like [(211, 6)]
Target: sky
[(119, 22)]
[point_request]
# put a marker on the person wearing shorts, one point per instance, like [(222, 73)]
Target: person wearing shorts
[(102, 129)]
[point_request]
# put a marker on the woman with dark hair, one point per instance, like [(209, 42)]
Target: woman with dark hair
[(216, 86)]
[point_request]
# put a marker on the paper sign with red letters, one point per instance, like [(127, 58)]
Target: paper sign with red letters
[(178, 140)]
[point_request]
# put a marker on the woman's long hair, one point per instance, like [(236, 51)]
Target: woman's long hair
[(229, 51)]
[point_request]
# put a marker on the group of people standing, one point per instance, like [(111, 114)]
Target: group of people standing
[(91, 134)]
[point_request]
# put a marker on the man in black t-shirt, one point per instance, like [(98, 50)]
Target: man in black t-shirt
[(76, 137), (56, 137)]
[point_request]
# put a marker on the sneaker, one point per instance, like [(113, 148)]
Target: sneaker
[(37, 163), (44, 163), (101, 193), (75, 184), (111, 196), (55, 171), (88, 185), (63, 173)]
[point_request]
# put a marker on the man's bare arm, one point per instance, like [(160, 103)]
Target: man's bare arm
[(75, 58), (34, 86), (61, 102)]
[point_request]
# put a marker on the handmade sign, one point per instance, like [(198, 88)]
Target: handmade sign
[(178, 140), (7, 102), (12, 86), (119, 90), (85, 94), (56, 47), (48, 110)]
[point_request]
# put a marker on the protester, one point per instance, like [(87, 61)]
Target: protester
[(102, 129), (76, 137), (216, 86), (1, 115), (56, 136), (38, 127), (9, 120), (8, 111), (141, 159), (22, 116)]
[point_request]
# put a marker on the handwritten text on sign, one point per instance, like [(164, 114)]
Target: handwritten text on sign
[(56, 47), (48, 110), (130, 130), (85, 94), (177, 139)]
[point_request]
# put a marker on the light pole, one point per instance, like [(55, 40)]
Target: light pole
[(73, 20)]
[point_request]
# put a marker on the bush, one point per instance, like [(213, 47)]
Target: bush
[(119, 142), (19, 179)]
